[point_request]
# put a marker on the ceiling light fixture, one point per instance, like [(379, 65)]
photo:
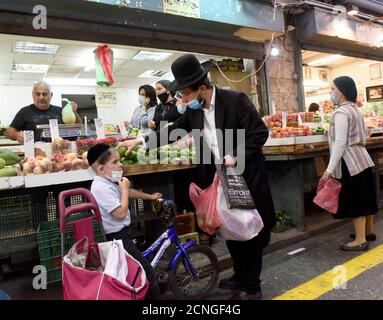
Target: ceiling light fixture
[(33, 47), (151, 56), (325, 60), (152, 74), (31, 68)]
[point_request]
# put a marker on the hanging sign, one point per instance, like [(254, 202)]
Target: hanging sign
[(190, 8), (106, 97)]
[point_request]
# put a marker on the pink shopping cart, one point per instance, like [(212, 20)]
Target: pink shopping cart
[(87, 283)]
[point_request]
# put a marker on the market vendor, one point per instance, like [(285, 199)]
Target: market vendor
[(40, 112)]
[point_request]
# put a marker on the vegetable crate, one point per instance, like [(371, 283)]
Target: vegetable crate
[(49, 244)]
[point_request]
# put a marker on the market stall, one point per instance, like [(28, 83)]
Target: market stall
[(30, 187), (296, 161)]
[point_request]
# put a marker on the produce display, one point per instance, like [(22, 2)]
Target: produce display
[(8, 164), (163, 155), (110, 129), (373, 122), (275, 121), (134, 132), (8, 172), (9, 158), (301, 130), (84, 145), (61, 145), (60, 162), (328, 107)]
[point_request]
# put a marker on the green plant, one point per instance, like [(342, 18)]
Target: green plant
[(282, 217)]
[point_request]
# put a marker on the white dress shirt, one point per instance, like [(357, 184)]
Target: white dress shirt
[(209, 130)]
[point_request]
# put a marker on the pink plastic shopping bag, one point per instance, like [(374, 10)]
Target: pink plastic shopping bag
[(328, 195), (205, 203)]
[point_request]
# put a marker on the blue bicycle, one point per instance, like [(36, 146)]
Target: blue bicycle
[(193, 269)]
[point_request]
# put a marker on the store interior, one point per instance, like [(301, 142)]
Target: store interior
[(68, 66), (321, 68)]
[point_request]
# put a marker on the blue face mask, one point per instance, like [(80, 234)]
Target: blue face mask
[(333, 98), (196, 104), (181, 109), (141, 100)]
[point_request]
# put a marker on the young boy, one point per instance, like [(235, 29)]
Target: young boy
[(112, 192)]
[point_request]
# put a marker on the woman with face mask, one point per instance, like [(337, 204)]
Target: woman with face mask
[(351, 164), (147, 101), (167, 111)]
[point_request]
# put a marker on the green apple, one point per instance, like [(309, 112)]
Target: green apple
[(122, 150)]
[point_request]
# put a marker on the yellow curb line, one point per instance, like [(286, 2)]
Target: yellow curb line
[(327, 281)]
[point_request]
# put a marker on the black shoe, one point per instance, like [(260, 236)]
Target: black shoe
[(230, 283), (246, 295), (361, 247), (370, 237)]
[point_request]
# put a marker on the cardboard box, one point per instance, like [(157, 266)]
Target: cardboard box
[(185, 223)]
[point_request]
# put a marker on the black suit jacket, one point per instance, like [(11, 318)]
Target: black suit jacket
[(234, 110)]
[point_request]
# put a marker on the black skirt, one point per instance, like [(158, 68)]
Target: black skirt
[(357, 197)]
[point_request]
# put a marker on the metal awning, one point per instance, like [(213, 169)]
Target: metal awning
[(321, 30), (99, 22)]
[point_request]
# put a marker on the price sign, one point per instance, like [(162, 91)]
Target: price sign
[(322, 120), (123, 130), (54, 127), (99, 129), (29, 144), (284, 119)]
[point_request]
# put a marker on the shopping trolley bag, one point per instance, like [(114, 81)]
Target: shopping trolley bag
[(117, 277)]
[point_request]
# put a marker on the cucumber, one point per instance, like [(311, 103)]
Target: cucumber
[(8, 172), (10, 158)]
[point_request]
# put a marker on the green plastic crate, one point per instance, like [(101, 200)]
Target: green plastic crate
[(49, 244)]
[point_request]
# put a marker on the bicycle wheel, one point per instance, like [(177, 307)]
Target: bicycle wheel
[(186, 286)]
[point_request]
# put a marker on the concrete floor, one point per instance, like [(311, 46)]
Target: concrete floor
[(281, 272)]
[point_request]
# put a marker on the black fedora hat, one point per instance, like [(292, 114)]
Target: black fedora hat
[(187, 70)]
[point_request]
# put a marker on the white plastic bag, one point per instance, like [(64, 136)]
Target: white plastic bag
[(237, 224), (112, 255)]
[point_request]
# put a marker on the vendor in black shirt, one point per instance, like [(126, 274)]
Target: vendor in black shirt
[(166, 111), (40, 112)]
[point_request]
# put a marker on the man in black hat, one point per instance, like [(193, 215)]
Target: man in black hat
[(211, 108)]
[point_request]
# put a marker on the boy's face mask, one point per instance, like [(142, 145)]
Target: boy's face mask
[(113, 175)]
